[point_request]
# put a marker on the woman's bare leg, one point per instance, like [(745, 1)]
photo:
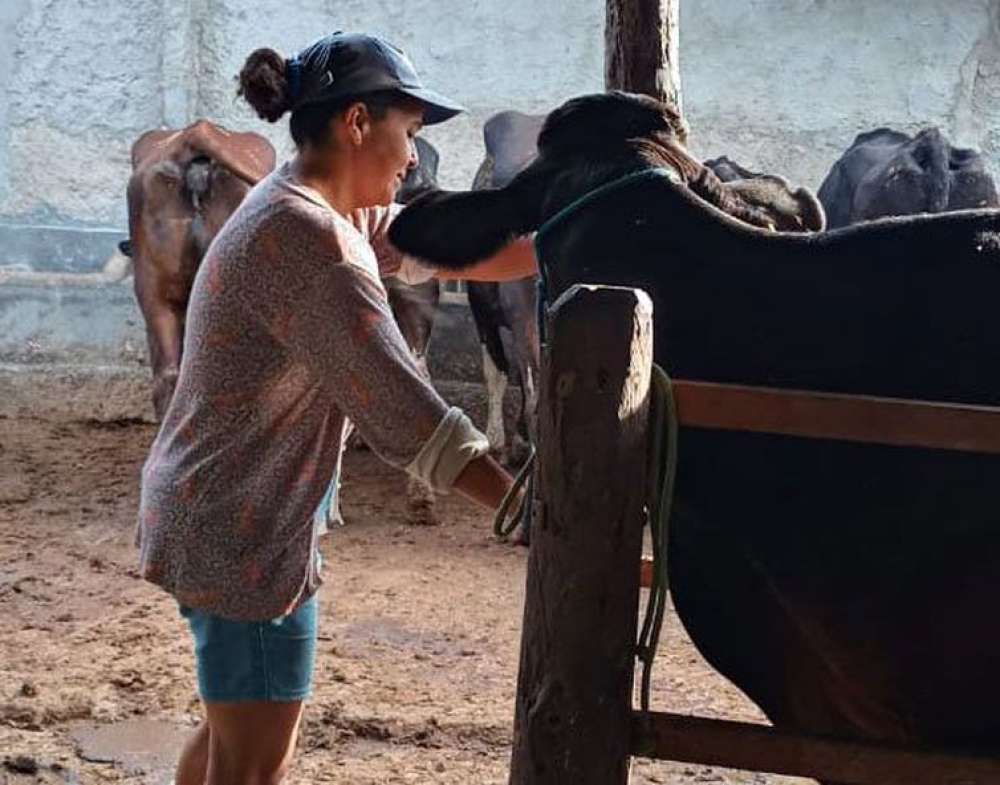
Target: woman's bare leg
[(251, 743), (193, 763)]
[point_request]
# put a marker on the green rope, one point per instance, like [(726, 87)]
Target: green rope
[(662, 474), (501, 526)]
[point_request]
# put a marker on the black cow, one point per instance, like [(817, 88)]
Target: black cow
[(510, 141), (848, 589), (511, 145), (885, 172)]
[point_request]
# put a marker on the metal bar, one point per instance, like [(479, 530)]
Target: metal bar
[(739, 745), (857, 418)]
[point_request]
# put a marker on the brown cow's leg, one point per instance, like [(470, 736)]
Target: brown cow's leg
[(164, 268), (165, 332), (420, 500)]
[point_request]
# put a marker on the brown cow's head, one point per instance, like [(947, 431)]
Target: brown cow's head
[(584, 143)]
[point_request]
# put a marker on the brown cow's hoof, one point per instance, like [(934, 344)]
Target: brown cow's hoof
[(421, 512)]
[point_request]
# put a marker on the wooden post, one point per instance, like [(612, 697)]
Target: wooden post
[(573, 713), (641, 48)]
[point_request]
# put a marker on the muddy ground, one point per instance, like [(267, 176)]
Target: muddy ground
[(419, 633)]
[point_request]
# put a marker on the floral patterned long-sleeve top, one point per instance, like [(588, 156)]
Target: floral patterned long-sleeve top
[(288, 334)]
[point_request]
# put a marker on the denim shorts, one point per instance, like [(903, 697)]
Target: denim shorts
[(254, 660)]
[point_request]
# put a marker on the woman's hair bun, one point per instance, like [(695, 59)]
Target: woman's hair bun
[(264, 84)]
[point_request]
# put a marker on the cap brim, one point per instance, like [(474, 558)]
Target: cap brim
[(437, 107)]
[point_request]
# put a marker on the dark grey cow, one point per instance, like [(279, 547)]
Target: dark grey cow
[(510, 139), (848, 589), (886, 172)]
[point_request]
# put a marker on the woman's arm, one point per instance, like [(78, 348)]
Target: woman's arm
[(515, 260), (483, 481)]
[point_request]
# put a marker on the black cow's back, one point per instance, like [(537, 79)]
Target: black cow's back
[(886, 172), (828, 580)]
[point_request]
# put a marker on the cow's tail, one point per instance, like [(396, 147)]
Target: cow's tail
[(198, 181), (931, 153)]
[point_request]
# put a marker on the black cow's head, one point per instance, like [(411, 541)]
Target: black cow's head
[(584, 143)]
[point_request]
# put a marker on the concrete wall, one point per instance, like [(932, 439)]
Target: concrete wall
[(780, 85), (81, 79), (785, 85)]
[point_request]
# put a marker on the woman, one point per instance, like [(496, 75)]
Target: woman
[(289, 333)]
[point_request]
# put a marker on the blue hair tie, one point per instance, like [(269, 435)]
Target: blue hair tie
[(293, 74)]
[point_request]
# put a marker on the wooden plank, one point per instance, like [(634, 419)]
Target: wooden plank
[(857, 418), (574, 688), (752, 747)]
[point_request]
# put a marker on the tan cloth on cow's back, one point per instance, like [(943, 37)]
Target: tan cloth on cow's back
[(288, 332)]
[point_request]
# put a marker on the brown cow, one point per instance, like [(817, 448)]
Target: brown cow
[(184, 186)]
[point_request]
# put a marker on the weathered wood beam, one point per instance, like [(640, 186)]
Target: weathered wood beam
[(641, 48), (578, 643), (857, 418), (740, 745)]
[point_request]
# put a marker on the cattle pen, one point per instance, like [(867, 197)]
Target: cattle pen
[(574, 719)]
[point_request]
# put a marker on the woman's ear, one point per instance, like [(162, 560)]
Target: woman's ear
[(357, 121)]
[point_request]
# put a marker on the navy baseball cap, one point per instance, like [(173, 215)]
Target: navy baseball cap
[(348, 65)]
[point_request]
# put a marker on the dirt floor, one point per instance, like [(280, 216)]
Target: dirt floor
[(419, 633)]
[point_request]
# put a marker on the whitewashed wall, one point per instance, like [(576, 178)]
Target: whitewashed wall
[(780, 85), (785, 85), (81, 79)]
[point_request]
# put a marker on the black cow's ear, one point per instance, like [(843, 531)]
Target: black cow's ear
[(456, 229)]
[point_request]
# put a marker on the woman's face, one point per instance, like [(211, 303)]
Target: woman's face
[(387, 153)]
